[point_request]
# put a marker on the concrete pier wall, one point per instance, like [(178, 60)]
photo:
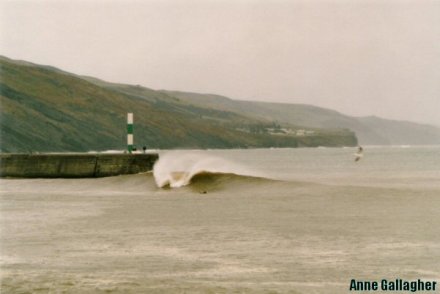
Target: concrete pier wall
[(74, 165)]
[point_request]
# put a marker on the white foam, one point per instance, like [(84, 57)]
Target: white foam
[(176, 168)]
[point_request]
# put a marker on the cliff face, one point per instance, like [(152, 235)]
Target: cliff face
[(46, 109)]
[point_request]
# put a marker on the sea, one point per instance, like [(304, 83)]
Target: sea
[(302, 220)]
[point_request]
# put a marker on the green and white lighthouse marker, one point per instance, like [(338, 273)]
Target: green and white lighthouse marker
[(130, 132)]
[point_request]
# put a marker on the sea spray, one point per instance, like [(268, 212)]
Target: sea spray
[(176, 169)]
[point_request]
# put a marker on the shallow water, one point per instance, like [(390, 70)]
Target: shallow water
[(321, 221)]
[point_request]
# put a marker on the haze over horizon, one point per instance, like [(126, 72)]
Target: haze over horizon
[(360, 58)]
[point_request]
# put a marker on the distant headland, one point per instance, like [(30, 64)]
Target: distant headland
[(45, 109)]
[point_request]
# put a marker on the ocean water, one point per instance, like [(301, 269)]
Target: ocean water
[(228, 221)]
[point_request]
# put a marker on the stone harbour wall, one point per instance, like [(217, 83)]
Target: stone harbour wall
[(74, 165)]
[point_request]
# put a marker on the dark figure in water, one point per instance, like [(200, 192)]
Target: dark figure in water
[(358, 155), (144, 148)]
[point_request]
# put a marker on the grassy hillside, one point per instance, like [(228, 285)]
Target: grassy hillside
[(46, 109), (369, 130)]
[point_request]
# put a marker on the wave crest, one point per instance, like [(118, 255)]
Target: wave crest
[(178, 169)]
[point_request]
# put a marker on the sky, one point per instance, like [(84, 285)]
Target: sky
[(359, 57)]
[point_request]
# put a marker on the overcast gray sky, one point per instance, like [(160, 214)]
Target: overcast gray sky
[(359, 57)]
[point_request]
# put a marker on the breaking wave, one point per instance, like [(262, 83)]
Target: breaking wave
[(178, 169)]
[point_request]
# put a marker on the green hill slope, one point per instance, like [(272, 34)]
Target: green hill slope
[(369, 130), (46, 109)]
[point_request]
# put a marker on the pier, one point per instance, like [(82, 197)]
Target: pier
[(74, 165)]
